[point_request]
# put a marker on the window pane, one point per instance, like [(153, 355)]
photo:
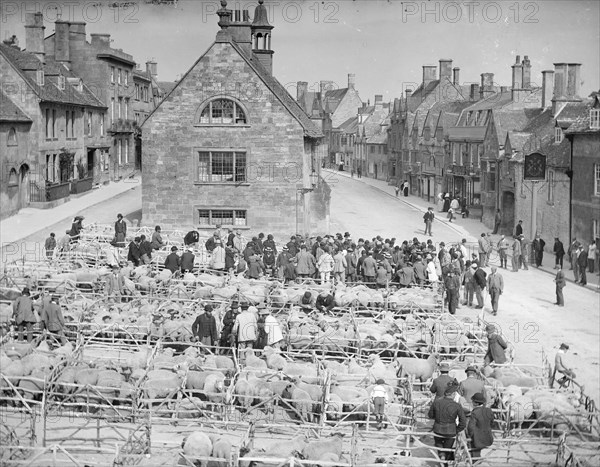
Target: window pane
[(222, 167), (240, 167), (240, 117), (205, 116), (223, 217), (203, 161), (240, 217), (203, 216)]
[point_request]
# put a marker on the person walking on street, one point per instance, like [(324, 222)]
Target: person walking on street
[(538, 248), (23, 314), (449, 420), (497, 221), (572, 252), (582, 263), (469, 289), (502, 248), (483, 248), (495, 288), (53, 320), (559, 253), (405, 189), (397, 190), (428, 219), (50, 245), (560, 282), (120, 232), (591, 256), (525, 251), (479, 284), (496, 347), (204, 328), (516, 255), (479, 428)]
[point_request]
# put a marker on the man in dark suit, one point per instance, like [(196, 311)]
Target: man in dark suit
[(187, 261), (582, 264), (134, 254), (559, 253), (172, 262), (445, 412), (479, 429), (518, 229), (440, 384)]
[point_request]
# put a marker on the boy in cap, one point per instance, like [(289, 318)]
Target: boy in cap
[(379, 397), (479, 429), (172, 261), (472, 385)]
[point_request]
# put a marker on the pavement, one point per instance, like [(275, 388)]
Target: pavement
[(468, 228), (29, 221)]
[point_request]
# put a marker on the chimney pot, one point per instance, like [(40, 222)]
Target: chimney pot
[(351, 80), (429, 72), (547, 85), (301, 88), (455, 78), (445, 68), (378, 99), (325, 86), (474, 92), (573, 79), (518, 61), (34, 35)]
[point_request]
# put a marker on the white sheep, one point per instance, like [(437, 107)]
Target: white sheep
[(197, 444), (316, 450), (417, 367)]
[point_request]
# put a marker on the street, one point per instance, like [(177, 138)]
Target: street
[(527, 315)]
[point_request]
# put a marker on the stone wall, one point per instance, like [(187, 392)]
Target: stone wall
[(586, 205), (272, 139)]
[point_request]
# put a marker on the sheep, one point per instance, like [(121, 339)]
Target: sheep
[(315, 450), (33, 386), (301, 401), (221, 450), (510, 393), (252, 361), (334, 407), (274, 360), (160, 384), (244, 393), (213, 387), (416, 367), (513, 376), (197, 444)]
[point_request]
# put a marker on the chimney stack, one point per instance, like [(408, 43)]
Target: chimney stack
[(455, 78), (445, 68), (152, 69), (77, 44), (378, 99), (428, 74), (547, 85), (574, 79), (526, 77), (487, 85), (408, 93), (351, 80), (61, 42), (474, 92), (517, 74), (240, 29), (301, 89), (100, 41), (34, 35)]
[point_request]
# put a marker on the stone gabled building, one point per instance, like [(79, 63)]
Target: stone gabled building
[(229, 145)]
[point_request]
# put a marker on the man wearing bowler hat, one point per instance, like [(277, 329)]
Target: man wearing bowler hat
[(440, 383), (448, 421)]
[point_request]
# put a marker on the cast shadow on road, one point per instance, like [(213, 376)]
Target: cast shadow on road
[(545, 301)]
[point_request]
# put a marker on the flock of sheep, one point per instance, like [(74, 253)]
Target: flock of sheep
[(323, 375)]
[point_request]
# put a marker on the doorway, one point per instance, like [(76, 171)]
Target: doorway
[(23, 186), (508, 211)]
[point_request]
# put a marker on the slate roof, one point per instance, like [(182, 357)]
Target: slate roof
[(142, 74), (166, 86), (581, 124), (9, 111), (350, 125), (49, 92), (293, 107), (333, 98)]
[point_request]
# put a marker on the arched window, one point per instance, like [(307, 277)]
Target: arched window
[(13, 180), (12, 137), (222, 112)]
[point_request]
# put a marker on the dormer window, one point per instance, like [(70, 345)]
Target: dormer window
[(595, 119), (40, 77), (558, 135), (61, 82)]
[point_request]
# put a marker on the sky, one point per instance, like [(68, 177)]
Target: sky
[(384, 43)]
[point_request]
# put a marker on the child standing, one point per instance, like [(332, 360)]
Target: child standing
[(379, 396)]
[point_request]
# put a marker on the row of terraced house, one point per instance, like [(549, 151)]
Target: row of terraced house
[(70, 113), (469, 140)]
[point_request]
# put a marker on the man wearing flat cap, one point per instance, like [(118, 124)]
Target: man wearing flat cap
[(440, 383), (204, 329), (445, 413), (479, 429), (472, 385), (496, 346)]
